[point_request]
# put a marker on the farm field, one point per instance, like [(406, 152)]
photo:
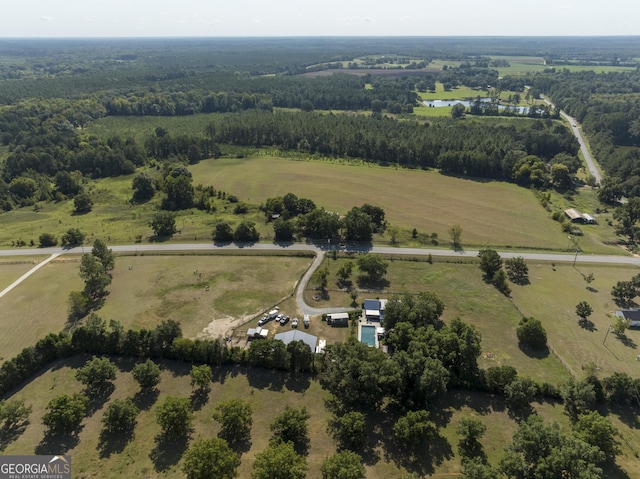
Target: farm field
[(458, 93), (490, 212), (38, 306), (523, 64), (114, 219), (268, 393), (160, 288), (12, 268), (156, 288)]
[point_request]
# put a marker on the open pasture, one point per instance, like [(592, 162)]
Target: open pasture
[(146, 455), (458, 93), (11, 268), (490, 212), (158, 288), (112, 218), (115, 220), (38, 306), (552, 295)]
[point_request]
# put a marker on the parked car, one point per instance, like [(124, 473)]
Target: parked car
[(294, 323), (263, 320), (284, 320), (279, 318)]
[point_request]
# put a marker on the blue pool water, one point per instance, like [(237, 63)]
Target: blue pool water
[(368, 335)]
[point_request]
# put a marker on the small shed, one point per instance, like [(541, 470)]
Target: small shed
[(338, 319), (257, 333), (574, 215)]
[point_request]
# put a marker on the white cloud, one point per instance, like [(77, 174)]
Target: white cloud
[(44, 18)]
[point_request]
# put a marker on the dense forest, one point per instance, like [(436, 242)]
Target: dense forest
[(608, 106)]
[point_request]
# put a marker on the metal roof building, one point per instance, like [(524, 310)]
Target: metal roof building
[(297, 335)]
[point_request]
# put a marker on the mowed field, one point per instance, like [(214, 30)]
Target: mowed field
[(13, 268), (490, 212), (269, 392), (160, 288), (156, 288), (552, 295), (37, 306)]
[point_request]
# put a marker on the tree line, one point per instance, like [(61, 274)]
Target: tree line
[(483, 149), (608, 108)]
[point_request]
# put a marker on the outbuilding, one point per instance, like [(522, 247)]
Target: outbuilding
[(257, 333), (574, 215), (297, 335), (338, 319), (632, 315)]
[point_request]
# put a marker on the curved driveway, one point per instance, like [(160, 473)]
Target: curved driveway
[(319, 253)]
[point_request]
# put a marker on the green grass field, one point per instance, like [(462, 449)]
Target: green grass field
[(467, 296), (458, 93), (37, 306), (268, 393), (157, 288), (165, 287), (12, 268), (490, 212), (522, 65)]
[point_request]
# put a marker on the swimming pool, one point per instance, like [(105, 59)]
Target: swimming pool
[(368, 335)]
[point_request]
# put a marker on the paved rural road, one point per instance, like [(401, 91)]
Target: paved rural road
[(317, 250), (140, 248), (591, 164)]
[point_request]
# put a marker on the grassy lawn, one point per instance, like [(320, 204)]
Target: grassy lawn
[(490, 212), (458, 93), (14, 267), (467, 296), (552, 297), (423, 110), (268, 392), (165, 287), (38, 306)]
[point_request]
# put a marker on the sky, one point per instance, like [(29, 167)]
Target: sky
[(241, 18)]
